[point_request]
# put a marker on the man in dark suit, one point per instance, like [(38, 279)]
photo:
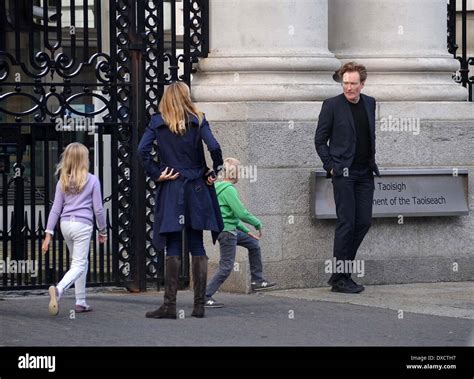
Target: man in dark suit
[(347, 121)]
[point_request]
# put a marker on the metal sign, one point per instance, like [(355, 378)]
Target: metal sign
[(414, 192)]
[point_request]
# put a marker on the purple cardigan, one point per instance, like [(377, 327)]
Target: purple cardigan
[(78, 207)]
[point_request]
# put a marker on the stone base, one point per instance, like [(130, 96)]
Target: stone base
[(311, 273), (278, 138), (237, 282)]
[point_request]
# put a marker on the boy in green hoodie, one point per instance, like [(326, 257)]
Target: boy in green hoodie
[(235, 233)]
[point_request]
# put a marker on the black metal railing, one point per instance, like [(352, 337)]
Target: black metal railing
[(49, 267), (462, 76), (54, 65), (180, 51)]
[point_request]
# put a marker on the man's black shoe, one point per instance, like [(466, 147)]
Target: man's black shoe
[(355, 284), (333, 279), (345, 285)]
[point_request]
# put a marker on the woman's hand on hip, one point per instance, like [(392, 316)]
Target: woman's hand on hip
[(165, 175)]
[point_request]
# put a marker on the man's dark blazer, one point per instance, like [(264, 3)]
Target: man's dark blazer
[(336, 124)]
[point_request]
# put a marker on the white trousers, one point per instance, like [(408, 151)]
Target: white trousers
[(77, 236)]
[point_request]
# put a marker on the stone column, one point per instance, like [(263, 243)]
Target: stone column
[(267, 50), (403, 45)]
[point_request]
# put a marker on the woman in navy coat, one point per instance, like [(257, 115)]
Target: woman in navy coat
[(185, 194)]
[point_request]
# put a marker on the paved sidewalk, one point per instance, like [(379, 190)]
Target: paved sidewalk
[(453, 299), (437, 314)]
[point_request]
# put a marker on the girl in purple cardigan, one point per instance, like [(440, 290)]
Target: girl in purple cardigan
[(77, 199)]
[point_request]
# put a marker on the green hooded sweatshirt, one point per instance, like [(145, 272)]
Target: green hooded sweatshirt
[(232, 210)]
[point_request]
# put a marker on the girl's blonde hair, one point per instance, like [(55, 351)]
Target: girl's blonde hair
[(176, 105), (73, 167)]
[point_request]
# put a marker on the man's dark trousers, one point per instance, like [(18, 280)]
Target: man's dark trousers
[(353, 195)]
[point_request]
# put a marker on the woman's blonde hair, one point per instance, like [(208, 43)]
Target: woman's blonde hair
[(73, 168), (176, 105)]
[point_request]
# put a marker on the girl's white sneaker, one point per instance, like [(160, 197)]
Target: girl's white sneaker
[(53, 301)]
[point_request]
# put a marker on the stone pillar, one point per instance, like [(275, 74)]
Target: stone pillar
[(267, 50), (403, 45), (252, 58)]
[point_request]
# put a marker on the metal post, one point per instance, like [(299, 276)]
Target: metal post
[(18, 224), (138, 177), (464, 66)]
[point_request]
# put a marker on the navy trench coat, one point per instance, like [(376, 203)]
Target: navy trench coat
[(187, 201)]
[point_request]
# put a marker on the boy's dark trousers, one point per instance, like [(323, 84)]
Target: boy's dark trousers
[(228, 242)]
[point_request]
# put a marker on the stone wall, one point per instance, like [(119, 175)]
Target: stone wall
[(278, 137)]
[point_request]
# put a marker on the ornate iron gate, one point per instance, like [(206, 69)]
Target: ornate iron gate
[(462, 75), (93, 72)]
